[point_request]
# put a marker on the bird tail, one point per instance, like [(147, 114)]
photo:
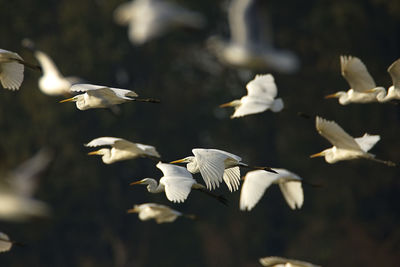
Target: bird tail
[(220, 198)]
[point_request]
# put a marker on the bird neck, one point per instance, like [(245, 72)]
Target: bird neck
[(192, 166), (153, 186)]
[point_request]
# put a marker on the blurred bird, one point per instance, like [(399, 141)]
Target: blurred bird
[(345, 147), (5, 242), (149, 19), (16, 202), (121, 149), (160, 213), (261, 93), (52, 82), (100, 96), (393, 92), (256, 182), (12, 69), (177, 183), (216, 165), (251, 43), (361, 82), (283, 262)]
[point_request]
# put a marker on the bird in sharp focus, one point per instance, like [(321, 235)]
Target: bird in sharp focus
[(345, 147), (121, 149), (360, 81), (261, 96), (177, 183), (216, 165), (12, 69), (149, 19), (257, 182), (393, 93), (284, 262), (100, 96), (251, 42), (160, 213)]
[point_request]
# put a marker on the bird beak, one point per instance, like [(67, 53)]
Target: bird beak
[(229, 104), (67, 100), (317, 155), (93, 152), (177, 161), (138, 182), (331, 96), (133, 210)]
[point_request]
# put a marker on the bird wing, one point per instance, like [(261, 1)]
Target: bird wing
[(11, 75), (104, 141), (293, 194), (84, 87), (124, 93), (47, 64), (394, 71), (163, 213), (356, 74), (148, 150), (254, 186), (262, 86), (232, 178), (251, 105), (273, 261), (335, 134), (174, 170), (177, 188), (123, 13), (366, 142), (5, 244)]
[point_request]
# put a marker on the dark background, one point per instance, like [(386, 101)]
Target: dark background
[(353, 220)]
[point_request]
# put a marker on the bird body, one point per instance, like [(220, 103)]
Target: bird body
[(256, 183), (98, 96), (121, 149), (284, 262), (361, 82), (11, 70), (148, 19), (345, 147), (160, 213), (393, 93), (261, 93)]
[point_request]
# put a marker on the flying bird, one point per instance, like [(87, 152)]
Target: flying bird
[(5, 242), (261, 95), (257, 182), (160, 213), (100, 96), (345, 147), (361, 82), (284, 262), (52, 82), (121, 149), (12, 69), (17, 188), (216, 165), (393, 93), (177, 183), (251, 43), (149, 19)]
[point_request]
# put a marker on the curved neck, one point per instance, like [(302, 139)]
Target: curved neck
[(153, 187)]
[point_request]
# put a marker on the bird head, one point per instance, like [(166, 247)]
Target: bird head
[(135, 209), (143, 181), (335, 95), (80, 101), (99, 152), (320, 154), (184, 160)]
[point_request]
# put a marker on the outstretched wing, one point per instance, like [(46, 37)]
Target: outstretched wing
[(394, 71), (262, 86), (335, 134), (148, 150), (5, 243), (366, 142), (254, 186), (251, 105), (232, 178), (356, 74), (103, 141)]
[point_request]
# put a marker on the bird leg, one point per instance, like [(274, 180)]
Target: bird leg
[(151, 100), (220, 198), (30, 65), (386, 162), (268, 169)]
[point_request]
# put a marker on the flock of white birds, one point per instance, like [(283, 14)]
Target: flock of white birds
[(146, 20)]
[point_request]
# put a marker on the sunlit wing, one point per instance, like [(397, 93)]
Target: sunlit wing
[(103, 141), (11, 75), (366, 142), (5, 243), (262, 86), (254, 186), (47, 64), (356, 74), (251, 106), (177, 188), (335, 134), (148, 150), (293, 194), (123, 13), (232, 178), (274, 261), (238, 16), (84, 87), (394, 71), (174, 170)]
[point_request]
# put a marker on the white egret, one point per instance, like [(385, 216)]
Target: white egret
[(256, 183), (5, 242), (100, 96), (121, 149), (149, 19), (251, 43), (12, 69), (261, 93), (160, 213), (393, 93), (52, 82), (345, 147), (16, 201), (284, 262), (216, 165), (177, 183), (361, 82)]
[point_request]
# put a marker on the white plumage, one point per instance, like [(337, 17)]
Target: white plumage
[(11, 70), (5, 243), (393, 93), (160, 213), (257, 182), (284, 262)]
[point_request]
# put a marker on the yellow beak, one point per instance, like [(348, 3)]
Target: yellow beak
[(67, 100), (133, 210), (320, 154), (177, 161), (229, 104), (93, 153), (138, 182), (331, 96)]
